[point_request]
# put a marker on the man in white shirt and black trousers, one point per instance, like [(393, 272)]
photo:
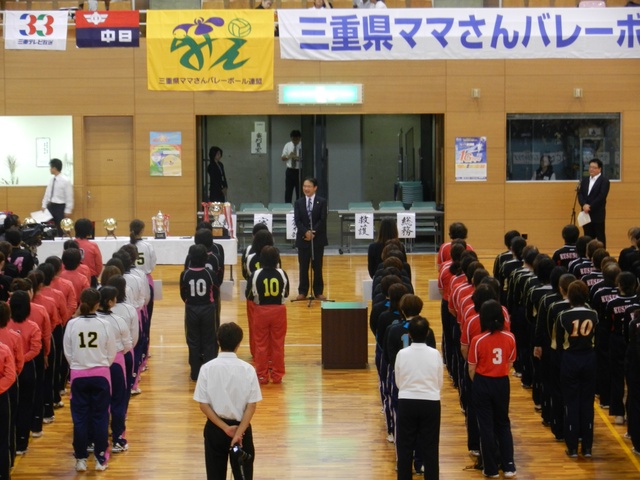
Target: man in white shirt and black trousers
[(58, 197), (228, 392)]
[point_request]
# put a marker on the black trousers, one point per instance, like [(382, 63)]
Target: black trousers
[(291, 182), (596, 230), (578, 391), (57, 212), (200, 333), (216, 453), (418, 421), (304, 259), (491, 398)]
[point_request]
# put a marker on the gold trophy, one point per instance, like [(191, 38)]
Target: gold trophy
[(66, 225), (160, 225), (215, 210), (110, 225), (29, 221)]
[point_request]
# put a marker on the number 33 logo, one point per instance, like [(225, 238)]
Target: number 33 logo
[(41, 25)]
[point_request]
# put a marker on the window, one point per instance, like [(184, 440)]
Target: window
[(560, 146)]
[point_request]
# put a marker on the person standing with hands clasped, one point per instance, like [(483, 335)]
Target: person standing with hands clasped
[(491, 356), (310, 216), (592, 195), (228, 392), (58, 197), (292, 155), (418, 373)]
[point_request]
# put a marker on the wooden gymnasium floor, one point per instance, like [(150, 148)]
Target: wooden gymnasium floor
[(316, 425)]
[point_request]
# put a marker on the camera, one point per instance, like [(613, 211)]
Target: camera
[(240, 455)]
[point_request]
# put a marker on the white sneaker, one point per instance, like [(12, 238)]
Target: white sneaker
[(619, 420), (118, 447), (101, 467), (48, 420), (510, 474), (36, 434), (474, 453), (136, 391), (81, 465), (59, 404), (390, 438), (21, 452)]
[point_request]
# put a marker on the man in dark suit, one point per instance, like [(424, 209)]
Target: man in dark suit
[(593, 199), (310, 214)]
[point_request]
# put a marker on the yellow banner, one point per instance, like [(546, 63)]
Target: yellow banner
[(198, 50)]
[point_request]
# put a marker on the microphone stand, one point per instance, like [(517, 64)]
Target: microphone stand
[(575, 202)]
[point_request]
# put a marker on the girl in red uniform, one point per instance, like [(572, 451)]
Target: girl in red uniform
[(491, 356)]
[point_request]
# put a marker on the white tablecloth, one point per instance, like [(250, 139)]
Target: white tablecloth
[(169, 251)]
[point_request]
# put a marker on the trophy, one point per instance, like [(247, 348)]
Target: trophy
[(29, 221), (66, 225), (215, 210), (110, 225), (160, 225)]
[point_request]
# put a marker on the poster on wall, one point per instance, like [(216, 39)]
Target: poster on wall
[(166, 154), (471, 159)]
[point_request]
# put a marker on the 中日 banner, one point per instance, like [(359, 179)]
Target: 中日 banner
[(35, 30), (459, 33), (107, 29), (195, 50)]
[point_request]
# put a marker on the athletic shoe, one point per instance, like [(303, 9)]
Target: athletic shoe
[(21, 452), (526, 386), (136, 391), (626, 435), (619, 420), (81, 465), (47, 420), (635, 451), (510, 474), (101, 467), (119, 447), (571, 453), (586, 452), (390, 438), (474, 453), (491, 476), (63, 392), (537, 407), (606, 407), (60, 404), (36, 434), (517, 374)]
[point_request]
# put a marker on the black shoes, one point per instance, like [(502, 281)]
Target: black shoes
[(571, 452)]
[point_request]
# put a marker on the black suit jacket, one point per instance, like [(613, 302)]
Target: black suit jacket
[(597, 199), (319, 218)]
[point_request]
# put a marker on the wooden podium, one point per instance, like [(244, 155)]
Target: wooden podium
[(344, 335)]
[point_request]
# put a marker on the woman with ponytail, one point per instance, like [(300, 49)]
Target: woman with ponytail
[(119, 391), (31, 338), (90, 348), (491, 356)]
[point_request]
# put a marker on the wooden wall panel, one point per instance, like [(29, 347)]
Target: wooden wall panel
[(24, 200), (630, 135), (110, 201), (176, 196), (553, 93), (59, 96), (492, 94)]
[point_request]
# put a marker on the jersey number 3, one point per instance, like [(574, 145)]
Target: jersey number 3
[(497, 356)]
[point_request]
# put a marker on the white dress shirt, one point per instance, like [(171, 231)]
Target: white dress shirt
[(62, 193), (228, 385), (592, 182), (291, 148)]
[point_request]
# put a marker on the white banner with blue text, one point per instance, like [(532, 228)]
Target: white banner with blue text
[(459, 33)]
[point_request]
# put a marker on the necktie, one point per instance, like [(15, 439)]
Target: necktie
[(53, 187), (309, 208)]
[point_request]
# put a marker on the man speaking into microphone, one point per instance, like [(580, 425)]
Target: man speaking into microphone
[(310, 215), (592, 196)]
